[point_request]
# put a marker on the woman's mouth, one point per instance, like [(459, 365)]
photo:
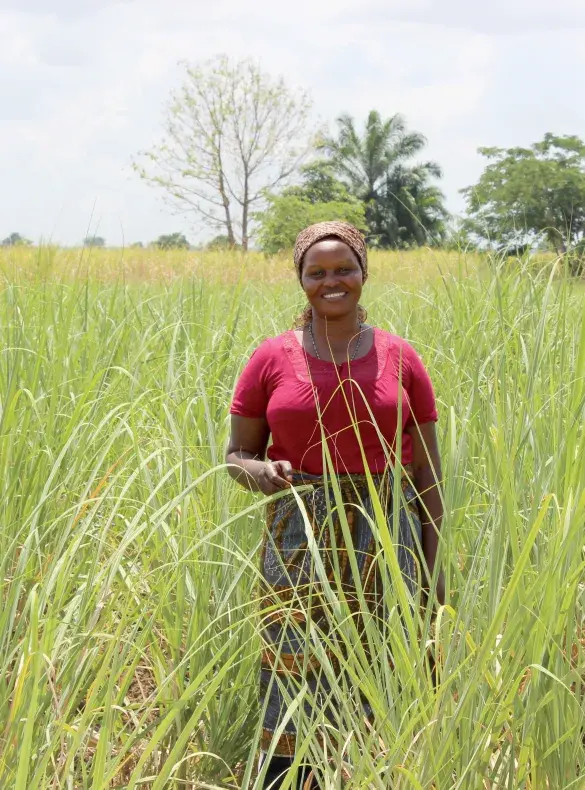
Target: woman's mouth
[(332, 297)]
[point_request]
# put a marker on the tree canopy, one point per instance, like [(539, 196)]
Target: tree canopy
[(220, 242), (15, 240), (172, 241), (231, 133), (320, 197), (528, 194), (94, 241), (402, 205)]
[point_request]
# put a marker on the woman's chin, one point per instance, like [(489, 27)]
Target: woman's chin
[(339, 310)]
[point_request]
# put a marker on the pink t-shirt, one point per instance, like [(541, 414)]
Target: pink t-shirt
[(287, 387)]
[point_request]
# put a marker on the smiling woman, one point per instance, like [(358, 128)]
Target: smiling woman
[(333, 388), (331, 254), (332, 279)]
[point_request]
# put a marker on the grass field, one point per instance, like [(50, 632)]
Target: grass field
[(128, 625)]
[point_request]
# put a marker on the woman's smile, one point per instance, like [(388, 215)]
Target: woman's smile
[(335, 295)]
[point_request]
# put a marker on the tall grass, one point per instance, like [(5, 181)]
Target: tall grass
[(129, 626), (162, 267)]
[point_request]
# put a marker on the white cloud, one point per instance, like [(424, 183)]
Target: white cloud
[(60, 8), (82, 86), (505, 17)]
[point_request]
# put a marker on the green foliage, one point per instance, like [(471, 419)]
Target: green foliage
[(220, 242), (526, 194), (320, 197), (575, 258), (402, 206), (94, 241), (15, 240), (319, 184), (172, 241), (287, 215)]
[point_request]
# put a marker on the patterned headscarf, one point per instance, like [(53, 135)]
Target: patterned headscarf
[(340, 230)]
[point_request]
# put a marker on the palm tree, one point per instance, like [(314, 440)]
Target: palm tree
[(402, 207), (412, 208)]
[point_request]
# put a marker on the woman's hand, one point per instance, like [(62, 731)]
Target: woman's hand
[(274, 476)]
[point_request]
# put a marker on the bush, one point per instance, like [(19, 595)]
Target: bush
[(172, 241), (287, 215)]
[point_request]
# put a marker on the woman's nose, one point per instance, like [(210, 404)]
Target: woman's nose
[(330, 279)]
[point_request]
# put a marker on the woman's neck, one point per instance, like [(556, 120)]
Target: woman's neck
[(343, 328)]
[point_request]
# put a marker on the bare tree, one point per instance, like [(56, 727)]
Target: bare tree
[(232, 132)]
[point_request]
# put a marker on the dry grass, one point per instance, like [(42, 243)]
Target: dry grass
[(156, 266)]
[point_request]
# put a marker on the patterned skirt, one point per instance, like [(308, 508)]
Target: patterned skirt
[(306, 569)]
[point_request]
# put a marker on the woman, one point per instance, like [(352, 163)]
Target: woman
[(326, 387)]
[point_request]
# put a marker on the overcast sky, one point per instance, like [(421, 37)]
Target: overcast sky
[(83, 84)]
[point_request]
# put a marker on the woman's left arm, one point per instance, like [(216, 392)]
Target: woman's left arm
[(428, 478)]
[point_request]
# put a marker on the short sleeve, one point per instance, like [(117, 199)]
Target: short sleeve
[(251, 394), (421, 395)]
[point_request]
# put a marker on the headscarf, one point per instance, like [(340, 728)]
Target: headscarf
[(323, 230)]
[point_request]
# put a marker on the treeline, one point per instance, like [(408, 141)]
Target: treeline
[(239, 155), (168, 241)]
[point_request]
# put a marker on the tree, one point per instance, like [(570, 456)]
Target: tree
[(94, 241), (526, 194), (287, 215), (231, 134), (320, 197), (16, 240), (220, 242), (319, 184), (402, 207), (172, 241)]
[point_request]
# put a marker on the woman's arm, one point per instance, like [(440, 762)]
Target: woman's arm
[(245, 455), (427, 480)]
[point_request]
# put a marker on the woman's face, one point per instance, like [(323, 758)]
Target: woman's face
[(332, 278)]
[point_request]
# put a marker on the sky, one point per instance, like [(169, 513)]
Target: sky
[(83, 85)]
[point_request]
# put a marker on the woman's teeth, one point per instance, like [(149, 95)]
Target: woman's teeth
[(334, 296)]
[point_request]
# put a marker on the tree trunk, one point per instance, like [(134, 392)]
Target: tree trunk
[(228, 219), (226, 203), (556, 241), (245, 210)]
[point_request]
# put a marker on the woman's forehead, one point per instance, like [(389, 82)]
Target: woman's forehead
[(330, 249)]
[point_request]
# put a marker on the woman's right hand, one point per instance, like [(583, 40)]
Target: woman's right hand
[(274, 476)]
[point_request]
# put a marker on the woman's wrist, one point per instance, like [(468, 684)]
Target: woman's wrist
[(258, 475), (246, 471)]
